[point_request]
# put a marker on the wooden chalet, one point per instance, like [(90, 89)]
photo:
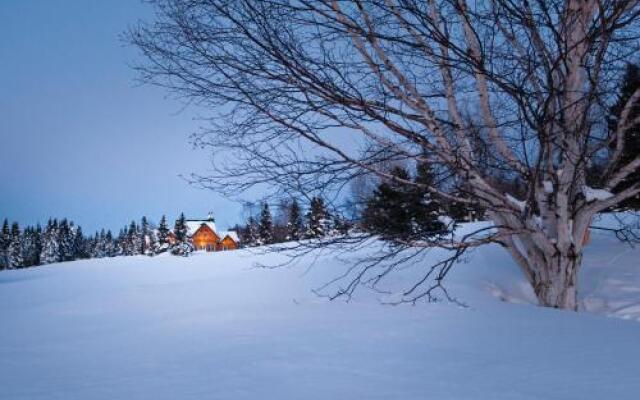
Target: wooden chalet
[(205, 236)]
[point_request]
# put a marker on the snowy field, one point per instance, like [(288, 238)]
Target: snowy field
[(213, 327)]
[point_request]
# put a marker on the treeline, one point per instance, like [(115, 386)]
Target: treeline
[(390, 208), (292, 224), (62, 240)]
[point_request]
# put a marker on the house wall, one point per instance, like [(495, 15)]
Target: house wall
[(228, 244), (205, 239)]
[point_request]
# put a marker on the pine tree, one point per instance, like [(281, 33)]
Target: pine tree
[(250, 236), (79, 245), (265, 231), (183, 245), (399, 212), (424, 207), (386, 212), (133, 240), (631, 83), (147, 238), (317, 219), (180, 229), (295, 226), (109, 245), (37, 247), (340, 225), (121, 243), (28, 246), (15, 247), (5, 241), (100, 246), (162, 240), (66, 233), (50, 245)]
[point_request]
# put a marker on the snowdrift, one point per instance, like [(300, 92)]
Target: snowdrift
[(213, 326)]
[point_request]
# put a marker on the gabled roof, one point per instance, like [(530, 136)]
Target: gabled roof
[(233, 235), (194, 225)]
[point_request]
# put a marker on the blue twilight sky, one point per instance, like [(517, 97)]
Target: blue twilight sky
[(78, 137)]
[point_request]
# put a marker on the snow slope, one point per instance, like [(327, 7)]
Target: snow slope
[(213, 327)]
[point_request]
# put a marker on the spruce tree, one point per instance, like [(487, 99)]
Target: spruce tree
[(79, 245), (147, 238), (180, 228), (31, 246), (133, 240), (387, 212), (65, 239), (28, 246), (183, 245), (16, 259), (162, 240), (37, 249), (121, 243), (340, 225), (109, 246), (295, 226), (250, 236), (399, 212), (265, 231), (317, 219), (5, 241), (50, 243), (424, 207)]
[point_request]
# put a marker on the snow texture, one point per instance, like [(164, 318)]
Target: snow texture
[(213, 327)]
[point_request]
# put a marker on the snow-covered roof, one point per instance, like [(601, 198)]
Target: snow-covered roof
[(194, 225), (232, 234)]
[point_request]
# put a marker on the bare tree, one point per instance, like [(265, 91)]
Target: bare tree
[(294, 83)]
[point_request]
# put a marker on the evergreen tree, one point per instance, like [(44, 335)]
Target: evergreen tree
[(5, 241), (180, 229), (37, 248), (340, 225), (386, 212), (79, 245), (147, 238), (250, 236), (15, 247), (133, 240), (29, 247), (66, 233), (100, 244), (50, 246), (295, 226), (183, 245), (317, 219), (631, 83), (265, 231), (399, 212), (121, 243), (110, 249), (162, 240), (424, 207)]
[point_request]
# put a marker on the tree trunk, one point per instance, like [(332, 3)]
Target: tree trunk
[(550, 267), (556, 286)]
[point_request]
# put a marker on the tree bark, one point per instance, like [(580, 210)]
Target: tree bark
[(559, 289)]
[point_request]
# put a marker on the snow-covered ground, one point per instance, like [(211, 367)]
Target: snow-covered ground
[(213, 327)]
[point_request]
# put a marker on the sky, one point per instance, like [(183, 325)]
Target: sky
[(79, 137)]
